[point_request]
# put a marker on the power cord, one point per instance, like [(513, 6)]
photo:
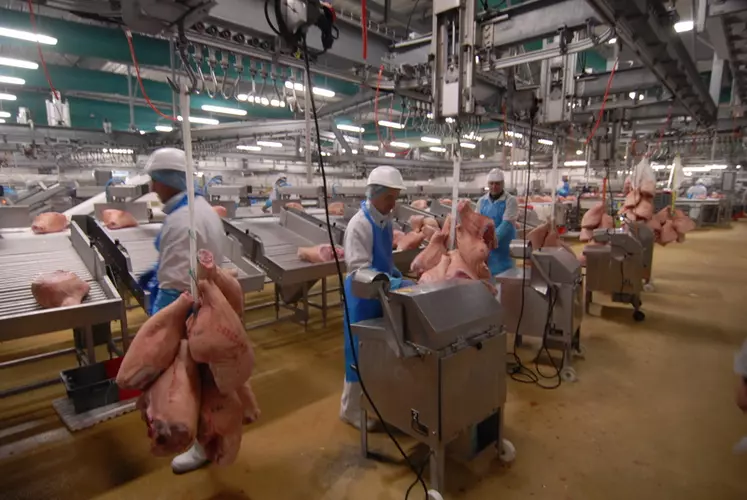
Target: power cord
[(346, 317)]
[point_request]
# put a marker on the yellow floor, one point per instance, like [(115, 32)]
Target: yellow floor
[(652, 416)]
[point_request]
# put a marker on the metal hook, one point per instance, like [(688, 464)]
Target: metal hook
[(198, 57), (211, 66), (263, 73), (182, 48), (239, 67), (224, 64), (253, 72)]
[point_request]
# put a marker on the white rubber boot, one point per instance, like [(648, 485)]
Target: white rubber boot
[(350, 406), (190, 460)]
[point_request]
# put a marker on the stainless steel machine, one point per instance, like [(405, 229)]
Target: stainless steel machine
[(437, 376), (616, 268), (545, 301), (227, 196), (646, 236)]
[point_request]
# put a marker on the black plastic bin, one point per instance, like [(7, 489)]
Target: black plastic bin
[(89, 387)]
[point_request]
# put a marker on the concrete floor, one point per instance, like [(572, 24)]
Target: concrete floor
[(652, 416)]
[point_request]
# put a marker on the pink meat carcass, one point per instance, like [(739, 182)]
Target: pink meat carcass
[(171, 405), (472, 248), (226, 281), (217, 337), (431, 256), (682, 223), (221, 416), (648, 187), (336, 208), (249, 403), (420, 204), (410, 241), (644, 210), (445, 202), (295, 205), (320, 253), (586, 234), (59, 289), (155, 346), (593, 217), (438, 272), (118, 219), (607, 222), (479, 225), (632, 199), (429, 230), (220, 210), (416, 222), (396, 236), (49, 222), (667, 234)]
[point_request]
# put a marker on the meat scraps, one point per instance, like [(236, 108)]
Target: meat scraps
[(221, 416), (445, 201), (669, 227), (336, 208), (420, 204), (410, 241), (171, 406), (226, 281), (431, 256), (49, 222), (217, 337), (320, 253), (118, 219), (155, 346), (437, 272), (294, 205), (249, 403), (220, 210), (59, 289)]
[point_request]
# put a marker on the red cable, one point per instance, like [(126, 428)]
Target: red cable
[(128, 35), (55, 93), (376, 116), (604, 103), (364, 24)]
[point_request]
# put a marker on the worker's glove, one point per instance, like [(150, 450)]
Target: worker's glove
[(502, 230), (397, 283), (396, 273), (147, 277)]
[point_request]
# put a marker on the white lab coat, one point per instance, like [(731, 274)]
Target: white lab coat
[(358, 243), (697, 190), (173, 266)]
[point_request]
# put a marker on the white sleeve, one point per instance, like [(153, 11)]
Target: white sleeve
[(173, 264), (512, 209), (358, 244)]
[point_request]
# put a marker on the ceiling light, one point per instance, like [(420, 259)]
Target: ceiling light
[(546, 142), (197, 119), (270, 144), (432, 140), (4, 114), (612, 41), (355, 151), (579, 152), (18, 63), (641, 97), (323, 92), (164, 128), (388, 124), (429, 116), (2, 120), (683, 26), (575, 163), (324, 153), (371, 147), (7, 97), (118, 151), (298, 86), (389, 155), (507, 144), (402, 145), (739, 166), (350, 128), (226, 111), (244, 147), (29, 37), (242, 97), (482, 157), (514, 134), (449, 119), (472, 137), (521, 163), (263, 101), (632, 95), (12, 80), (142, 132), (437, 149), (467, 145)]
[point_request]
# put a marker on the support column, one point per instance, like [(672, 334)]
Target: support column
[(717, 74)]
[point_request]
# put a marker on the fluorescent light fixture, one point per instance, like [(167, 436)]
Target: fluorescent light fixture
[(467, 145), (402, 145), (429, 116), (546, 142), (142, 132), (575, 163), (389, 155), (579, 152), (18, 63), (29, 37), (472, 137), (4, 114), (641, 97), (432, 140), (297, 86), (197, 119), (263, 101), (164, 128), (508, 144), (244, 147), (449, 119), (277, 104), (355, 151), (122, 151), (350, 128), (632, 95), (683, 26), (12, 80), (316, 90), (514, 134), (270, 144), (7, 97), (226, 111), (242, 97), (437, 149), (612, 41), (388, 124), (324, 153), (2, 120), (371, 147), (482, 157), (739, 166)]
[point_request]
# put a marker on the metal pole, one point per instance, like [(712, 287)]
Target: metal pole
[(307, 113), (187, 139), (131, 97), (172, 63), (454, 193), (554, 180)]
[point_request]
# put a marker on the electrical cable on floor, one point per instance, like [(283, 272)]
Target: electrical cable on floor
[(346, 317)]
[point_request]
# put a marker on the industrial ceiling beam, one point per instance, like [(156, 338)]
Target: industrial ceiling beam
[(625, 81), (23, 134)]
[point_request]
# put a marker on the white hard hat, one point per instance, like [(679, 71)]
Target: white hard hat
[(166, 159), (495, 175), (700, 182), (388, 177)]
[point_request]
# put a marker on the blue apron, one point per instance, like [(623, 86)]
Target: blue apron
[(160, 297), (499, 259), (359, 309)]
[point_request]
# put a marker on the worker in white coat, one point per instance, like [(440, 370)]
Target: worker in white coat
[(504, 210), (699, 190), (368, 245), (282, 181), (170, 277)]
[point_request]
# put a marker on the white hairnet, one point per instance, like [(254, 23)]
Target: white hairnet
[(495, 175)]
